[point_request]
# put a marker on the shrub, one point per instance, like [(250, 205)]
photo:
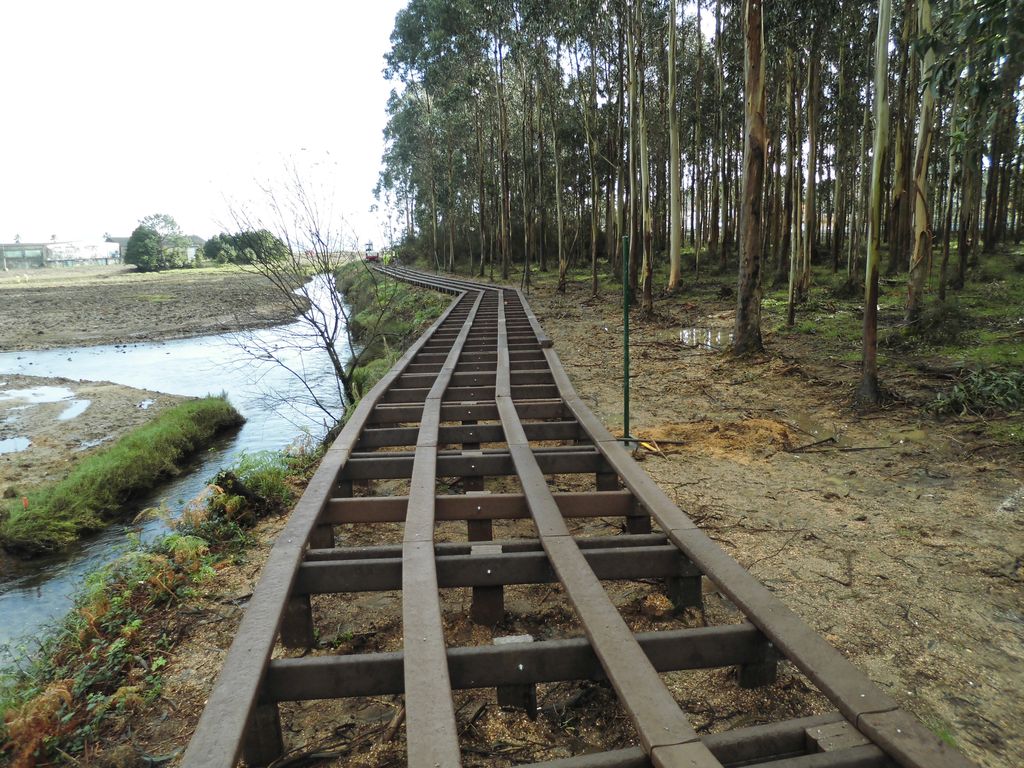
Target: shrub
[(983, 392), (104, 659), (941, 323)]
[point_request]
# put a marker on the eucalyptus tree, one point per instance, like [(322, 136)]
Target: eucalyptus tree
[(674, 178), (921, 256), (869, 391), (747, 337)]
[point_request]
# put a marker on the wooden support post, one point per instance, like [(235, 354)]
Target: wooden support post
[(607, 481), (263, 742), (834, 737), (638, 520), (479, 530), (686, 589), (322, 537), (761, 672), (521, 696), (297, 623), (488, 606)]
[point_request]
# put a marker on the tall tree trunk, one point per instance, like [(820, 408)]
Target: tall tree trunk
[(782, 257), (698, 151), (839, 189), (634, 227), (900, 168), (506, 187), (675, 238), (810, 209), (796, 247), (482, 191), (747, 337), (869, 391), (922, 234), (775, 216), (647, 291), (861, 214), (718, 150)]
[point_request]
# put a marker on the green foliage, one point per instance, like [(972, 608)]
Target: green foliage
[(106, 658), (941, 323), (385, 314), (221, 249), (365, 376), (246, 247), (984, 392), (100, 486), (144, 250)]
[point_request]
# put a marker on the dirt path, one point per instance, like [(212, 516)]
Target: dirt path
[(897, 539), (84, 306)]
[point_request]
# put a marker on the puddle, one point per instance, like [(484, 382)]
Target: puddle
[(14, 444), (909, 436), (38, 395), (87, 444), (814, 430), (75, 408), (709, 338)]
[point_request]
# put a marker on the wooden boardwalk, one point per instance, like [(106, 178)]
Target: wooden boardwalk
[(484, 374)]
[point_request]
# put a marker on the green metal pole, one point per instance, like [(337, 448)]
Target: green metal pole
[(625, 336)]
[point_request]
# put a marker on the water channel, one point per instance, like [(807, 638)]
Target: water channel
[(277, 405)]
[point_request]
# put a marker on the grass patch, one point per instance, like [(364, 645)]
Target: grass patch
[(105, 660), (99, 486), (155, 298), (386, 314), (983, 393)]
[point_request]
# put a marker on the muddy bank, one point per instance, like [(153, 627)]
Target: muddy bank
[(86, 306), (64, 421)]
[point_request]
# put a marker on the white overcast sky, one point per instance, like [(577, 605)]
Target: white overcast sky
[(114, 110)]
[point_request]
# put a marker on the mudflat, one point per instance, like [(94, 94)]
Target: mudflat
[(86, 306)]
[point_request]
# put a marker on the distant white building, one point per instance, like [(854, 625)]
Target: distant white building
[(68, 253)]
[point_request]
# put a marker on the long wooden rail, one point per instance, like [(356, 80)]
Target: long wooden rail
[(485, 373)]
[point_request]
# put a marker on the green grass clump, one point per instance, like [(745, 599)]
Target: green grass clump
[(105, 660), (942, 323), (365, 376), (100, 486), (984, 392), (385, 313)]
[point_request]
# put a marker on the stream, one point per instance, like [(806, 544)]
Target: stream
[(275, 402)]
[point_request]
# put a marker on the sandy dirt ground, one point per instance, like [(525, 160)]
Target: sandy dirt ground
[(897, 537), (45, 411), (84, 306)]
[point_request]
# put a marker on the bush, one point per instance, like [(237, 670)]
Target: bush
[(983, 393), (941, 323), (104, 660), (147, 251)]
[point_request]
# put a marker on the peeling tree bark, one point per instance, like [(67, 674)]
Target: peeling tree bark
[(922, 231), (869, 391), (747, 337)]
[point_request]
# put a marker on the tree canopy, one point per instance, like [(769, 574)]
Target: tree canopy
[(523, 134)]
